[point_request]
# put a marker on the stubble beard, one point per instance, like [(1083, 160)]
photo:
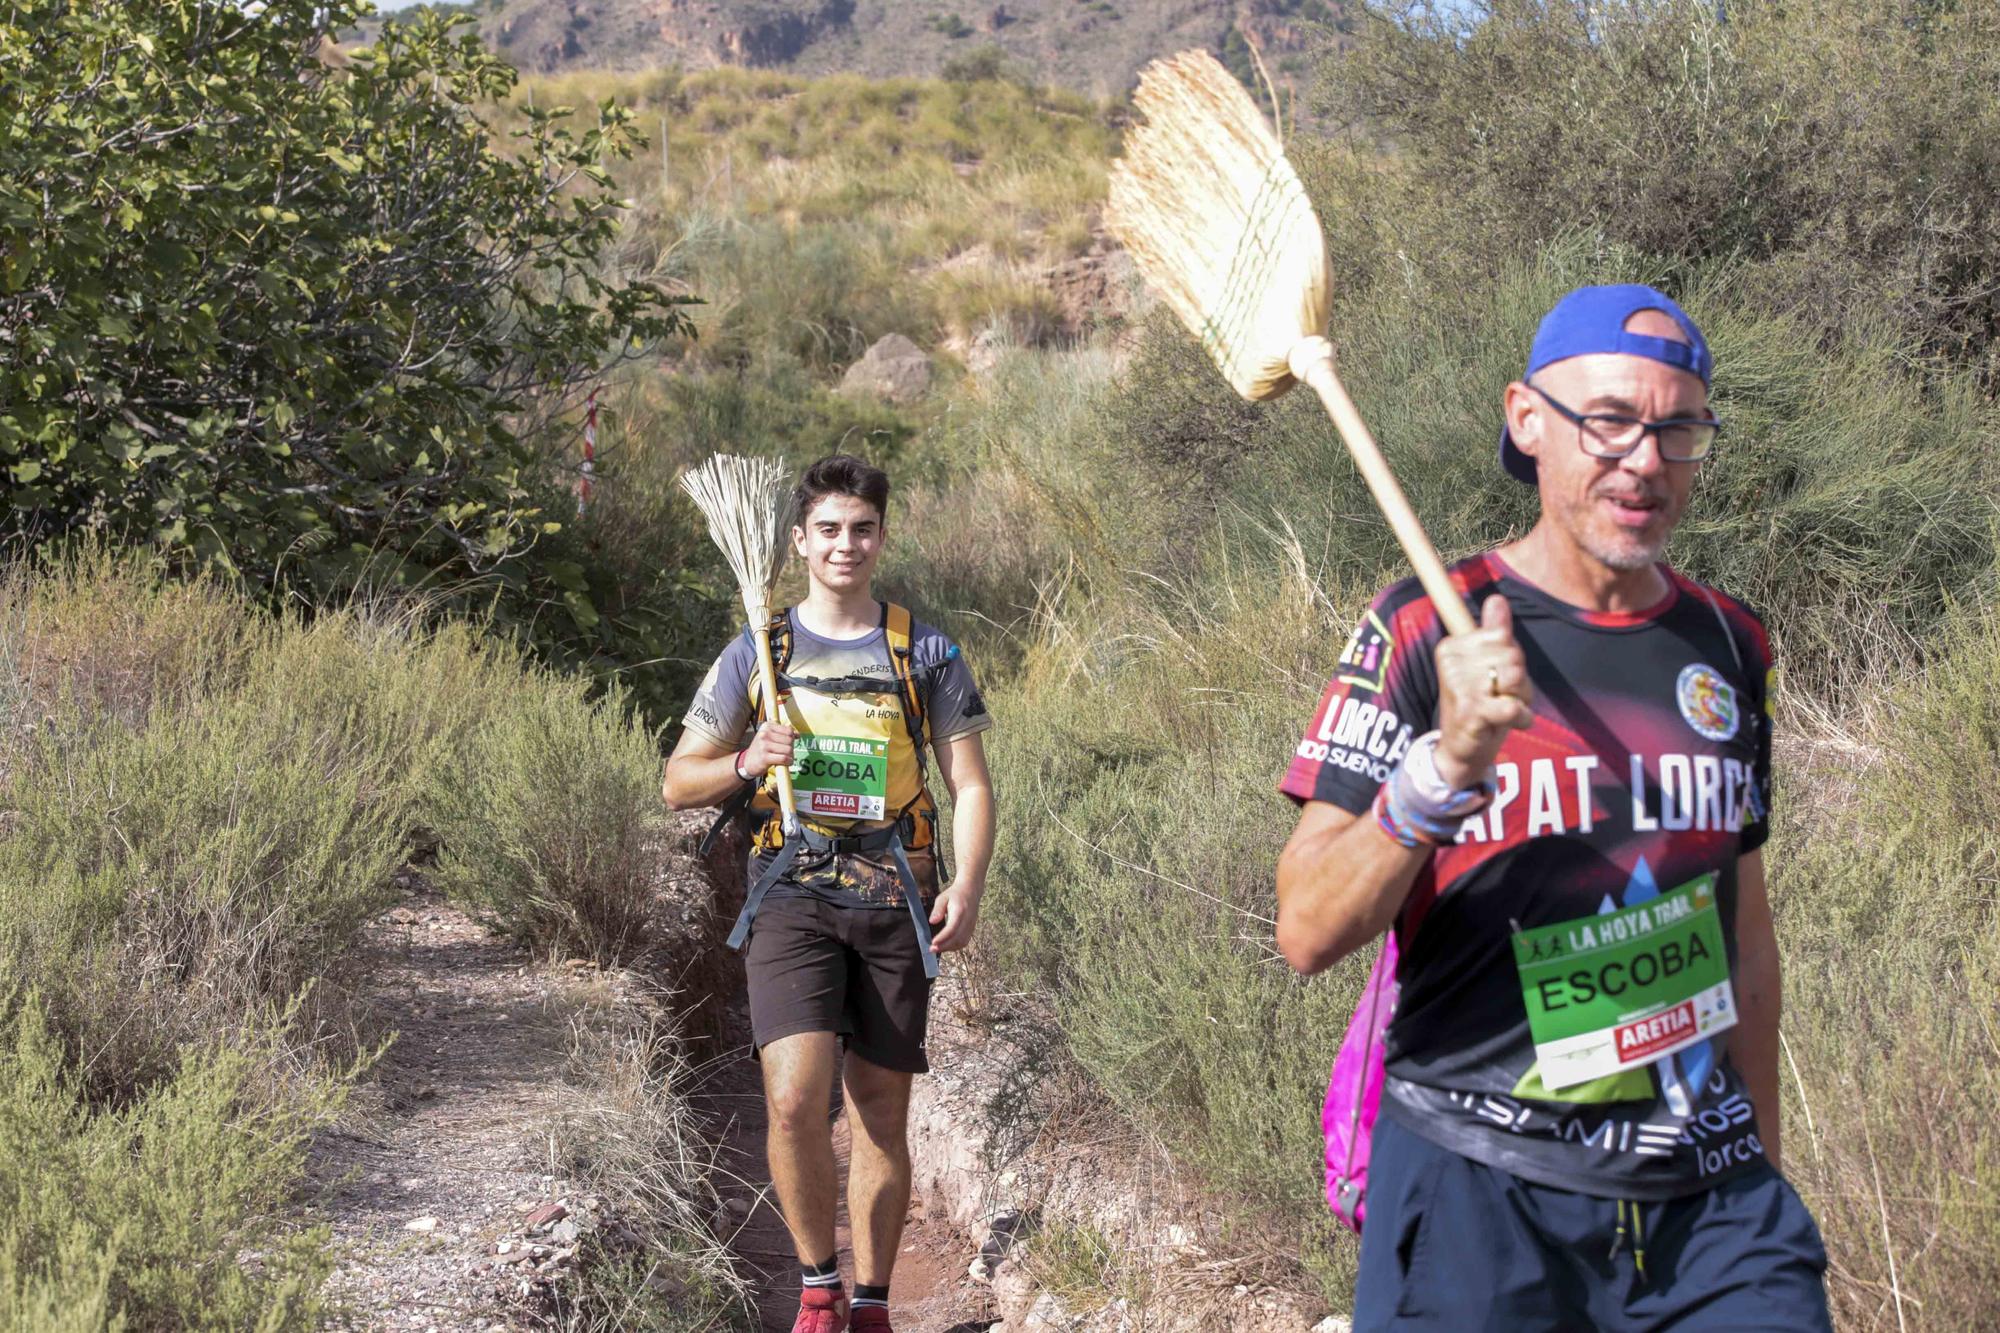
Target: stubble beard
[(1630, 559), (1617, 549), (1627, 553)]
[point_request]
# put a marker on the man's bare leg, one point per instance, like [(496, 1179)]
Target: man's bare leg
[(798, 1081), (878, 1171)]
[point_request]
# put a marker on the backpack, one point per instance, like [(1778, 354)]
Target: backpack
[(756, 802), (1354, 1092), (914, 827)]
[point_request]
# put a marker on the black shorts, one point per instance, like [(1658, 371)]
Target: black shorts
[(1453, 1245), (855, 971)]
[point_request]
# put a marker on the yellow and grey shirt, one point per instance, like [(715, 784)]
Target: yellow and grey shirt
[(842, 723)]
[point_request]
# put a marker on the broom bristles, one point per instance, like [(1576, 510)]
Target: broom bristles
[(1216, 220), (743, 500)]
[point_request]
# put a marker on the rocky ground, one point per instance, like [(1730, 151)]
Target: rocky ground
[(441, 1214), (443, 1184)]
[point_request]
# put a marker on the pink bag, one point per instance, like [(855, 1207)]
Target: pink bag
[(1354, 1092)]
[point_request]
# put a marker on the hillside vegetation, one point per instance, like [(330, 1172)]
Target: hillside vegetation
[(1095, 47), (813, 217)]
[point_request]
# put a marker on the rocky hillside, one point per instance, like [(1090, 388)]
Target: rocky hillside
[(1092, 46)]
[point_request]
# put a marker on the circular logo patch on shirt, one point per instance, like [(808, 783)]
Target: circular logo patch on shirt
[(1708, 702)]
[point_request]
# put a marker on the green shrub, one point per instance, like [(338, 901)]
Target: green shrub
[(204, 802), (1841, 147), (1134, 887), (159, 884), (550, 819), (201, 804), (115, 637), (167, 1213)]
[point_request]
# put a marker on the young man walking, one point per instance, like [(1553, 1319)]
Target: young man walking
[(840, 917), (1561, 816)]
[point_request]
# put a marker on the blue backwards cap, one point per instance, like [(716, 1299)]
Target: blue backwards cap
[(1592, 319)]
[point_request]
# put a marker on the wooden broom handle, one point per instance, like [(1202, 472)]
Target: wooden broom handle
[(760, 621), (1312, 361)]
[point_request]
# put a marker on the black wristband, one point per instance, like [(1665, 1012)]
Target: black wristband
[(737, 764)]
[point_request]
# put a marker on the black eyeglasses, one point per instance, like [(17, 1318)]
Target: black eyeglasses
[(1610, 435)]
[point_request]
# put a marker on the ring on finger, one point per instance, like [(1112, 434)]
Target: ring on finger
[(1493, 681)]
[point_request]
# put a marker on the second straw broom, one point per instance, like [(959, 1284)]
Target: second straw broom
[(1217, 222)]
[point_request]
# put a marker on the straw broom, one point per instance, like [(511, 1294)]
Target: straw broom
[(743, 500), (1216, 220)]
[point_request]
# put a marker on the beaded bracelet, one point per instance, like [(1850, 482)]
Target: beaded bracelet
[(1414, 817)]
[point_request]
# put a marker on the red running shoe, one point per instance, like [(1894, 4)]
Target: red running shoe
[(821, 1310), (873, 1318)]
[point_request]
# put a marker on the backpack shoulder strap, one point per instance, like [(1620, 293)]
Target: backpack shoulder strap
[(780, 629), (896, 628), (1728, 634), (781, 637)]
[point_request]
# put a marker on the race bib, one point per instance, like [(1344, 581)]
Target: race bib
[(841, 777), (1619, 991)]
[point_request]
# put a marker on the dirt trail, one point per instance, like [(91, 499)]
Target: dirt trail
[(931, 1292), (435, 1162), (440, 1138)]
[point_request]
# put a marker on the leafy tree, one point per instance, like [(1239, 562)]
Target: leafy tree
[(298, 313)]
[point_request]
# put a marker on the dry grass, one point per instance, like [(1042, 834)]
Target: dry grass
[(762, 188), (625, 1134), (200, 805)]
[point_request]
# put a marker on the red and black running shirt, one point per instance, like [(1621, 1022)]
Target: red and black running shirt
[(1648, 766)]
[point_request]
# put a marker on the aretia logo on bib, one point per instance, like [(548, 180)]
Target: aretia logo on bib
[(1708, 702)]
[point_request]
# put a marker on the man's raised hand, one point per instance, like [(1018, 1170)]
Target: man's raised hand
[(1483, 694)]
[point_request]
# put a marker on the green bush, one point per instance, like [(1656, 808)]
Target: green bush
[(158, 884), (550, 819), (310, 323), (819, 296), (167, 1213), (1841, 147), (200, 803), (204, 802), (110, 636), (1134, 888)]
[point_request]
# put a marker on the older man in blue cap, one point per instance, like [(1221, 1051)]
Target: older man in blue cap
[(1561, 816)]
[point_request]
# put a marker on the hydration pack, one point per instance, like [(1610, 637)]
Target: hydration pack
[(1354, 1092), (757, 802)]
